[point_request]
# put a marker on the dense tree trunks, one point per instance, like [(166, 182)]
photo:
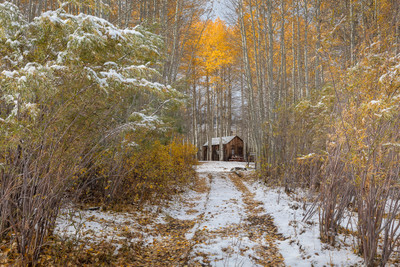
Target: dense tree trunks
[(283, 56), (352, 33), (306, 75), (210, 119), (194, 114), (281, 50), (318, 45), (30, 11), (255, 121), (270, 55), (294, 80), (175, 44), (299, 61), (229, 104), (307, 31), (220, 118), (397, 30), (257, 55)]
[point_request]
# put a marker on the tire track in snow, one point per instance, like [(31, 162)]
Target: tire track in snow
[(231, 232), (217, 240), (260, 227)]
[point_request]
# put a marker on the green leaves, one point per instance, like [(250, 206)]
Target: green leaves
[(81, 54)]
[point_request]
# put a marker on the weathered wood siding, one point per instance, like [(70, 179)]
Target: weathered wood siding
[(234, 148)]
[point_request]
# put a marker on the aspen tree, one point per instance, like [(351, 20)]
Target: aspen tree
[(294, 80), (318, 44), (306, 74)]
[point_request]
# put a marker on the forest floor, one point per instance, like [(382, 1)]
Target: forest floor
[(223, 219)]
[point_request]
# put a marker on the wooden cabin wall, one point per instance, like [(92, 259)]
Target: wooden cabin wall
[(236, 144)]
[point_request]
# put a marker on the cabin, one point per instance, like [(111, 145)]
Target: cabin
[(232, 147)]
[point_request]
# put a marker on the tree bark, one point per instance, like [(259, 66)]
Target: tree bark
[(306, 85), (352, 34), (318, 45), (210, 119)]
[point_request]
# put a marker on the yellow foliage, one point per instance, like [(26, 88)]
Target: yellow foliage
[(215, 47), (145, 171), (366, 129)]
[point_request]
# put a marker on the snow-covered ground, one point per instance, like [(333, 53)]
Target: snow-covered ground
[(220, 166), (302, 246), (219, 213), (227, 225), (224, 210)]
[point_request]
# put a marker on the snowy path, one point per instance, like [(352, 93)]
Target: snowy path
[(229, 231), (236, 226), (224, 213), (223, 219)]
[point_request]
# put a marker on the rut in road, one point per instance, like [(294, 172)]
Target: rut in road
[(233, 229), (221, 219), (215, 222)]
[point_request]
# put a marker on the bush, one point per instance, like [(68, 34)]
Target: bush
[(136, 175), (300, 135), (73, 91), (362, 167)]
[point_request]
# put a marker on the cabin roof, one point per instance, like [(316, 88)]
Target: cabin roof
[(225, 140)]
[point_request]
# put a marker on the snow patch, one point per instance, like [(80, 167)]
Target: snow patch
[(216, 140), (302, 246), (220, 166), (9, 74)]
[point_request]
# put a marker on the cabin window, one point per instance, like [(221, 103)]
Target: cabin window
[(233, 151)]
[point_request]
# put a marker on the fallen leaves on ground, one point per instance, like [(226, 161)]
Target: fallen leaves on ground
[(141, 239)]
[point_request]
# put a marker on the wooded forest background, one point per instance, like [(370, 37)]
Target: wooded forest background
[(312, 86), (257, 73)]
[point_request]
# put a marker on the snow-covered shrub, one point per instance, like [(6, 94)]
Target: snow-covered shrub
[(12, 36), (72, 87), (363, 155)]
